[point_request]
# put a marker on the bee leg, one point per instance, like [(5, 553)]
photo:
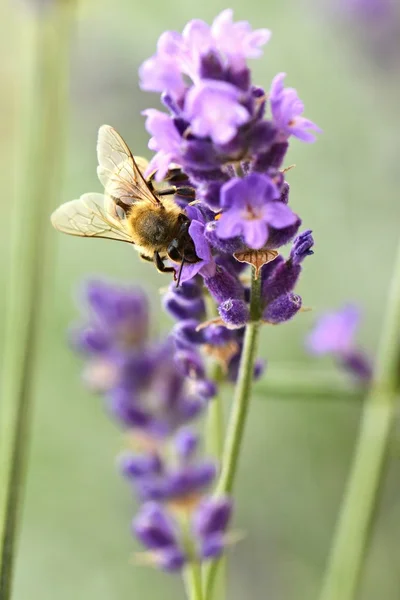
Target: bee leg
[(167, 191), (147, 258), (184, 191), (161, 268)]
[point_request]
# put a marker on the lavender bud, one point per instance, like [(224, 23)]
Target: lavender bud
[(274, 157), (186, 335), (154, 528), (262, 137), (235, 313), (211, 67), (212, 516), (358, 365), (186, 443), (302, 247), (190, 480), (92, 341), (132, 466), (223, 285), (181, 308), (187, 290), (206, 388), (209, 194), (282, 309), (171, 559), (189, 363), (124, 410), (212, 546), (282, 281)]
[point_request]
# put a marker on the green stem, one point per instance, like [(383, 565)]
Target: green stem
[(237, 422), (194, 585), (215, 418), (40, 180), (353, 529), (215, 431)]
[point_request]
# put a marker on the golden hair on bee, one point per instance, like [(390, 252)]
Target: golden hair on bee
[(131, 209)]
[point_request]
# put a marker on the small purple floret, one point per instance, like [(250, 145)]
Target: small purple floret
[(250, 207), (287, 109), (214, 110)]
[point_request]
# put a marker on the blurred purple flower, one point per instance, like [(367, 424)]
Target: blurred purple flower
[(158, 532), (334, 332)]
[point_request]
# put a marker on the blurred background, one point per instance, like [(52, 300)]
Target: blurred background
[(344, 59)]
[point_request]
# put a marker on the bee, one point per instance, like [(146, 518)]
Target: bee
[(131, 209)]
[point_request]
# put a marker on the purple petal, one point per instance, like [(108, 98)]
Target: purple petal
[(196, 231), (229, 225), (279, 215), (255, 233)]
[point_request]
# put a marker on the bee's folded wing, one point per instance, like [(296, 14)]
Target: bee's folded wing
[(118, 172), (90, 217)]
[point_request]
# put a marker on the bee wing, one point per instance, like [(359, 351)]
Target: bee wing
[(90, 217), (118, 171), (141, 163)]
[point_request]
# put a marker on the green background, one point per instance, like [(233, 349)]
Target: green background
[(75, 541)]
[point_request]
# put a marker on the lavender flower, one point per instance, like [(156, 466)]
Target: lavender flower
[(216, 138), (335, 334), (217, 115), (250, 206)]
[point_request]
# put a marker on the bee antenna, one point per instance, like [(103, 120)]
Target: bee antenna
[(180, 272)]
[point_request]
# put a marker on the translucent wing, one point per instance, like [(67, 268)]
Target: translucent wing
[(118, 171), (142, 163), (90, 217)]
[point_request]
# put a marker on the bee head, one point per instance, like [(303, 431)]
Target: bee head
[(182, 247)]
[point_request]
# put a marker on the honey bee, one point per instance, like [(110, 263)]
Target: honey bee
[(131, 209)]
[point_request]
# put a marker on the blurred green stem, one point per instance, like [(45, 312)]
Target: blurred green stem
[(351, 540), (238, 417), (49, 35), (215, 431), (194, 586), (215, 417)]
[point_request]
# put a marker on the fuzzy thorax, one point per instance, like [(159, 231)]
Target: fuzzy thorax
[(153, 227)]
